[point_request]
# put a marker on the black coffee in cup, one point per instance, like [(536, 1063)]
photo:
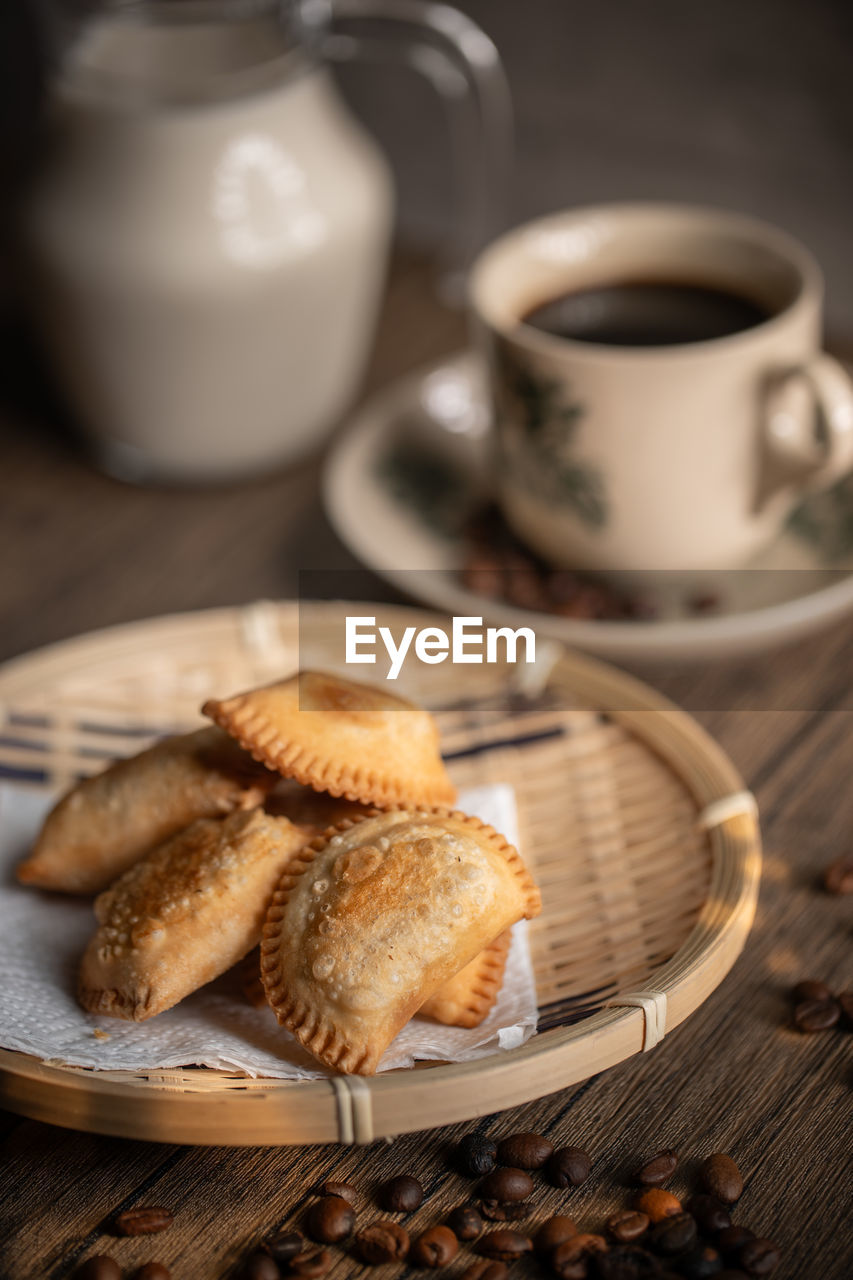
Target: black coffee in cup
[(646, 313)]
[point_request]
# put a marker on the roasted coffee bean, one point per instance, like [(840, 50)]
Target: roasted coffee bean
[(506, 1186), (627, 1225), (627, 1262), (657, 1169), (485, 1269), (475, 1155), (845, 1004), (711, 1216), (553, 1232), (571, 1260), (382, 1242), (99, 1267), (816, 1015), (505, 1245), (260, 1266), (728, 1273), (720, 1177), (673, 1235), (496, 1211), (435, 1248), (568, 1167), (465, 1222), (700, 1262), (731, 1241), (524, 1150), (758, 1257), (152, 1271), (342, 1189), (838, 876), (657, 1204), (810, 989), (143, 1221), (330, 1220), (402, 1194), (310, 1264), (285, 1245)]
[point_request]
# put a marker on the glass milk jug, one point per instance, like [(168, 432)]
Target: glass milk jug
[(209, 227)]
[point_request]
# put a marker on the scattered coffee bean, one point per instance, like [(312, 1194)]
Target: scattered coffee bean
[(496, 1211), (720, 1177), (816, 1015), (465, 1222), (382, 1242), (728, 1274), (711, 1216), (505, 1245), (485, 1269), (475, 1155), (627, 1262), (285, 1245), (99, 1267), (143, 1221), (570, 1260), (342, 1189), (845, 1004), (811, 989), (758, 1257), (627, 1225), (524, 1150), (674, 1234), (435, 1248), (657, 1204), (330, 1220), (658, 1169), (310, 1264), (838, 876), (152, 1271), (260, 1266), (699, 1263), (553, 1232), (506, 1186), (568, 1167), (732, 1239), (402, 1194)]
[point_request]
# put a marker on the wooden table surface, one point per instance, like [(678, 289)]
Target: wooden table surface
[(82, 551)]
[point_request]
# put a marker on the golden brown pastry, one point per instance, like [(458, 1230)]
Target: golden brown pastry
[(462, 1001), (466, 998), (184, 914), (370, 920), (105, 823), (335, 735)]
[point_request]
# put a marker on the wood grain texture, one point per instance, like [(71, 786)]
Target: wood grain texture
[(89, 552)]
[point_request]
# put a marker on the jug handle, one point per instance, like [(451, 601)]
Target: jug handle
[(464, 67)]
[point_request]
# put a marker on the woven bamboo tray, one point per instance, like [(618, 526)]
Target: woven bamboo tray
[(649, 870)]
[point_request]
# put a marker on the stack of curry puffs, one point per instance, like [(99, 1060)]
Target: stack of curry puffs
[(304, 822)]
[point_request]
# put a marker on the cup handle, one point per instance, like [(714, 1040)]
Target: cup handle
[(464, 67), (808, 428)]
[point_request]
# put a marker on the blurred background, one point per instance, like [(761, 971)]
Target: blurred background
[(743, 106)]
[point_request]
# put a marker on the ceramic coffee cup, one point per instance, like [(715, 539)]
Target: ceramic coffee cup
[(658, 457)]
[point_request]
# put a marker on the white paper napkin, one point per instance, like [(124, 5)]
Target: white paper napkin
[(42, 937)]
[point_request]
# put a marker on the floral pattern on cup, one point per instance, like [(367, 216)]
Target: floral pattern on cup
[(536, 428)]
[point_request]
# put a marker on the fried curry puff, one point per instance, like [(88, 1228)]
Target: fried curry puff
[(338, 736), (369, 921), (105, 823)]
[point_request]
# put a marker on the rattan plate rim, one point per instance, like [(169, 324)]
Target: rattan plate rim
[(206, 1107)]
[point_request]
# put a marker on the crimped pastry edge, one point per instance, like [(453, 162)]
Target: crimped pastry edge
[(261, 739), (317, 1033)]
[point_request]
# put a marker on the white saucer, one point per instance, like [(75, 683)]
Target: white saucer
[(413, 463)]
